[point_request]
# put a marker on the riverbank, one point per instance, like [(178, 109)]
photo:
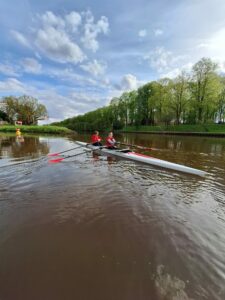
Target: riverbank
[(198, 130), (37, 129)]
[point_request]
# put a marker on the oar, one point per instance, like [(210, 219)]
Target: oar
[(52, 161), (58, 153), (136, 146)]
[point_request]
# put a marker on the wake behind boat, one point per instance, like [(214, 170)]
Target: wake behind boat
[(130, 155)]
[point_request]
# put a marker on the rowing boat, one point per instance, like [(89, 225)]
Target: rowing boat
[(142, 158)]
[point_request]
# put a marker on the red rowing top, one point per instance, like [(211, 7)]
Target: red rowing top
[(110, 141), (95, 138)]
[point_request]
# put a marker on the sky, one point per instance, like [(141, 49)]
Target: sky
[(75, 56)]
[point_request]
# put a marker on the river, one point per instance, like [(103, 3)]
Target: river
[(96, 228)]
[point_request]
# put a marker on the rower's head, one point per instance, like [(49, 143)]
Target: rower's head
[(96, 132), (110, 134)]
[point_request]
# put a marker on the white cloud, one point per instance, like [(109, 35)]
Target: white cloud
[(214, 47), (20, 38), (163, 60), (28, 65), (84, 100), (221, 65), (60, 37), (129, 82), (8, 70), (158, 32), (12, 85), (167, 63), (142, 33), (68, 75), (69, 105), (38, 56), (59, 106), (202, 46), (31, 65), (174, 72), (102, 25), (50, 19), (95, 68), (56, 45), (171, 74), (92, 30), (159, 59), (48, 121), (73, 20)]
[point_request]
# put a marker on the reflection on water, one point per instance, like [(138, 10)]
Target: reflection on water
[(22, 147), (177, 143), (94, 227)]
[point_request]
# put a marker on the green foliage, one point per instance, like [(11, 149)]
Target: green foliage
[(25, 109), (36, 129), (197, 98), (3, 116), (205, 89), (202, 128), (179, 96)]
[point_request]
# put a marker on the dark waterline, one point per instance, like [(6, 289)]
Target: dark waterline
[(94, 228)]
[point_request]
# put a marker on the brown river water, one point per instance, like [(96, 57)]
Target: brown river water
[(96, 228)]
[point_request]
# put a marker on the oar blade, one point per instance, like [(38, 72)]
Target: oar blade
[(57, 160), (53, 154)]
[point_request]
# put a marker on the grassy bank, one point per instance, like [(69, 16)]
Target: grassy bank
[(36, 129), (201, 128)]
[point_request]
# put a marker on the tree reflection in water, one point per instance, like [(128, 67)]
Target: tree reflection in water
[(22, 146)]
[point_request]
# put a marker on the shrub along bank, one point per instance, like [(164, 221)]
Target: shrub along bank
[(36, 129)]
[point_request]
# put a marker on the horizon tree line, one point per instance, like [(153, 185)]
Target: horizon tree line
[(195, 98)]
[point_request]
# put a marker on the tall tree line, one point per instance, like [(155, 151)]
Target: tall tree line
[(194, 98)]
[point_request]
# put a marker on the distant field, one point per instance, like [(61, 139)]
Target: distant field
[(204, 128), (36, 129)]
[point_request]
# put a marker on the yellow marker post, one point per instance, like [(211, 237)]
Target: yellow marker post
[(18, 132)]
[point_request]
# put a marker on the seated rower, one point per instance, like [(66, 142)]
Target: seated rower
[(95, 139), (110, 141)]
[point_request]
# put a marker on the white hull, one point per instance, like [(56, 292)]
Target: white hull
[(145, 159)]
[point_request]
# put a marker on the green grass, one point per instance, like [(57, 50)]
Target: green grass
[(203, 128), (36, 129)]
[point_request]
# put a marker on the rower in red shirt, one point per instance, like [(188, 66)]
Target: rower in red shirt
[(95, 139), (110, 141)]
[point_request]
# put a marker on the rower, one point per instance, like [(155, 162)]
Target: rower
[(95, 139), (110, 141)]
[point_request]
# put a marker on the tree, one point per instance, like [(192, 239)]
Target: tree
[(197, 98), (11, 107), (3, 116), (221, 103), (25, 109), (114, 104), (142, 104), (132, 107), (179, 96), (203, 87), (123, 107)]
